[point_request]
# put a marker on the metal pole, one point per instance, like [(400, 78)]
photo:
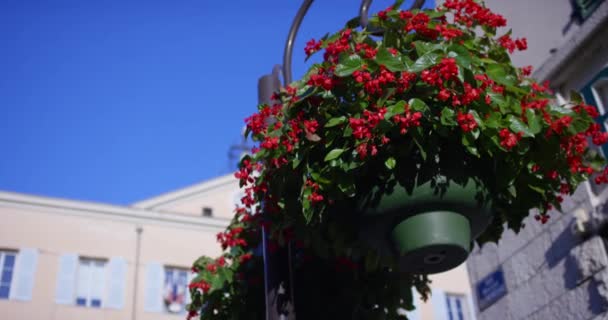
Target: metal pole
[(138, 230)]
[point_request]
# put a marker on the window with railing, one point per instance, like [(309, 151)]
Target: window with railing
[(584, 8), (596, 93)]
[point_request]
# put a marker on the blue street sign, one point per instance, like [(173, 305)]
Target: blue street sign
[(490, 289)]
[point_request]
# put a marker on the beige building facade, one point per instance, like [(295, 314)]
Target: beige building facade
[(64, 259)]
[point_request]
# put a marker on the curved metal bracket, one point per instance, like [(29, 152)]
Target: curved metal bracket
[(293, 31), (297, 21)]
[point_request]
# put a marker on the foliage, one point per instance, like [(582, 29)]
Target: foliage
[(435, 98)]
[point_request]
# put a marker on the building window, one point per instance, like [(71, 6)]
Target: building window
[(457, 307), (584, 8), (7, 265), (175, 289), (90, 282), (207, 212), (596, 93)]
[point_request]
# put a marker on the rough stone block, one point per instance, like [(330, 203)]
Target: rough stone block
[(590, 257), (527, 262), (499, 310), (527, 298), (485, 260), (583, 302), (562, 239)]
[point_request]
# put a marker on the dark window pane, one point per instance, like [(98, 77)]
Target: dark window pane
[(7, 275), (4, 291), (81, 301), (9, 261), (95, 303)]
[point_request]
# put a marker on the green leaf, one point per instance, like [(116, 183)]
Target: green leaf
[(423, 47), (576, 97), (498, 73), (349, 65), (390, 163), (307, 210), (397, 108), (296, 161), (424, 62), (335, 121), (534, 121), (493, 121), (418, 105), (392, 63), (347, 187), (559, 110), (406, 61), (422, 151), (461, 54), (516, 125), (348, 131), (447, 117), (333, 154), (537, 189), (578, 125), (468, 140), (478, 119), (317, 177)]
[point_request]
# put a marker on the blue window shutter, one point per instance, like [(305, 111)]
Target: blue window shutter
[(472, 307), (23, 277), (153, 296), (117, 278), (440, 307), (66, 279)]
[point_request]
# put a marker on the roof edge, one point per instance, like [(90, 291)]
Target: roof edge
[(185, 192)]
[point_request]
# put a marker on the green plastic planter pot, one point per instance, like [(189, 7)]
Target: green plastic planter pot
[(430, 230)]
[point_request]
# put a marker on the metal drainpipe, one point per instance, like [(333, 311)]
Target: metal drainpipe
[(138, 230)]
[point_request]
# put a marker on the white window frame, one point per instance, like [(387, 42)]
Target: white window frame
[(176, 272), (94, 264), (3, 253)]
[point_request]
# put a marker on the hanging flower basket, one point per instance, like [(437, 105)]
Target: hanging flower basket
[(393, 154), (430, 230)]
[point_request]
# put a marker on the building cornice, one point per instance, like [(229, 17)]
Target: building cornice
[(108, 212), (570, 53)]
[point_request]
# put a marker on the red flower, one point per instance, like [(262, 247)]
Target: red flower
[(444, 94), (204, 286), (508, 139), (522, 44), (600, 138), (362, 151), (191, 314), (212, 268), (221, 261), (312, 46), (246, 257), (466, 121)]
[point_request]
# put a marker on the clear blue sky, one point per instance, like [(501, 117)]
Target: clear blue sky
[(117, 101)]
